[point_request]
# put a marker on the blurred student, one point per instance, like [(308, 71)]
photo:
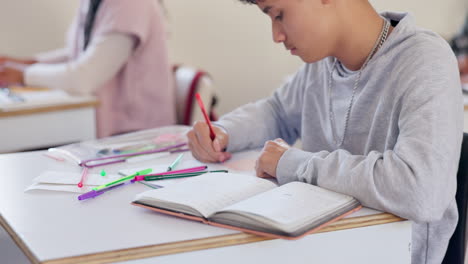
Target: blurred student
[(378, 109), (117, 51)]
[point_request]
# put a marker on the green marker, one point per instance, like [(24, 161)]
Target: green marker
[(103, 173), (142, 172), (179, 175), (176, 161)]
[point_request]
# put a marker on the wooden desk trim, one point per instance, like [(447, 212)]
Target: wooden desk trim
[(49, 108), (466, 107), (18, 241), (193, 245)]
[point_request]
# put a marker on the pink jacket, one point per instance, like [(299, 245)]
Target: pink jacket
[(141, 95)]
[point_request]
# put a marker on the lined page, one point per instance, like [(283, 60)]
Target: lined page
[(291, 206), (207, 193)]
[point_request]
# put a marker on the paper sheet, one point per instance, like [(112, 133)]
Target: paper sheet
[(59, 187), (67, 181)]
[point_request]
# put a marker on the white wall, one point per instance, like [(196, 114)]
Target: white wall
[(233, 41), (443, 16), (30, 26), (230, 40)]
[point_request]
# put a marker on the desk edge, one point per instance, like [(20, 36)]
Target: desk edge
[(208, 243), (19, 242), (50, 108)]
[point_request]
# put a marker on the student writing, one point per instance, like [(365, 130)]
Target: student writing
[(378, 108)]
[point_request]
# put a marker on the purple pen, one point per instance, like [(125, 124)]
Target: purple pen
[(90, 194), (93, 193)]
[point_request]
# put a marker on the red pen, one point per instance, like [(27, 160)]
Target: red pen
[(83, 177), (207, 119)]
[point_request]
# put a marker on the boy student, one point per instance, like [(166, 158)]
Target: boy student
[(378, 108), (116, 50)]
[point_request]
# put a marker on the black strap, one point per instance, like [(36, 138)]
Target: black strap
[(459, 42), (90, 18)]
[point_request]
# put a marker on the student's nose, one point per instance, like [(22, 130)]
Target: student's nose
[(278, 33)]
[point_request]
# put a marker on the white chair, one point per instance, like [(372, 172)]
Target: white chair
[(188, 82)]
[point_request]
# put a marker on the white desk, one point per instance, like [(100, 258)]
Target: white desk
[(35, 126), (53, 227)]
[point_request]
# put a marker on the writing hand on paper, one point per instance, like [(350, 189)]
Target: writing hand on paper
[(268, 161), (205, 150)]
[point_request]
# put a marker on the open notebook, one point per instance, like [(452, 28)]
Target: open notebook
[(251, 204)]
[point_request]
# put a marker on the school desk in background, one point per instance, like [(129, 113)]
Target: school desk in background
[(13, 98), (32, 118)]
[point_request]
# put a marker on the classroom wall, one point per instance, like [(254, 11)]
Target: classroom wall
[(30, 26), (228, 39), (233, 42)]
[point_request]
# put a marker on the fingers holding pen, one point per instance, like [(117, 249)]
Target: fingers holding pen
[(203, 148), (202, 133), (220, 144), (195, 148)]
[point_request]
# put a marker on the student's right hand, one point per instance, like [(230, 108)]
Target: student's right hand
[(205, 150)]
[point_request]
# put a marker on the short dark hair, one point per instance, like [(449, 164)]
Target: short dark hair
[(249, 1)]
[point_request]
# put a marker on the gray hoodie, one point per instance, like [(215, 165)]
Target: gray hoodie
[(401, 149)]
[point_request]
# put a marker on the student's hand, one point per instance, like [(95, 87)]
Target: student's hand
[(205, 150), (268, 161), (11, 75)]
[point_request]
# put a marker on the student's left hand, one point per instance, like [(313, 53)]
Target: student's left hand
[(268, 161), (11, 75)]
